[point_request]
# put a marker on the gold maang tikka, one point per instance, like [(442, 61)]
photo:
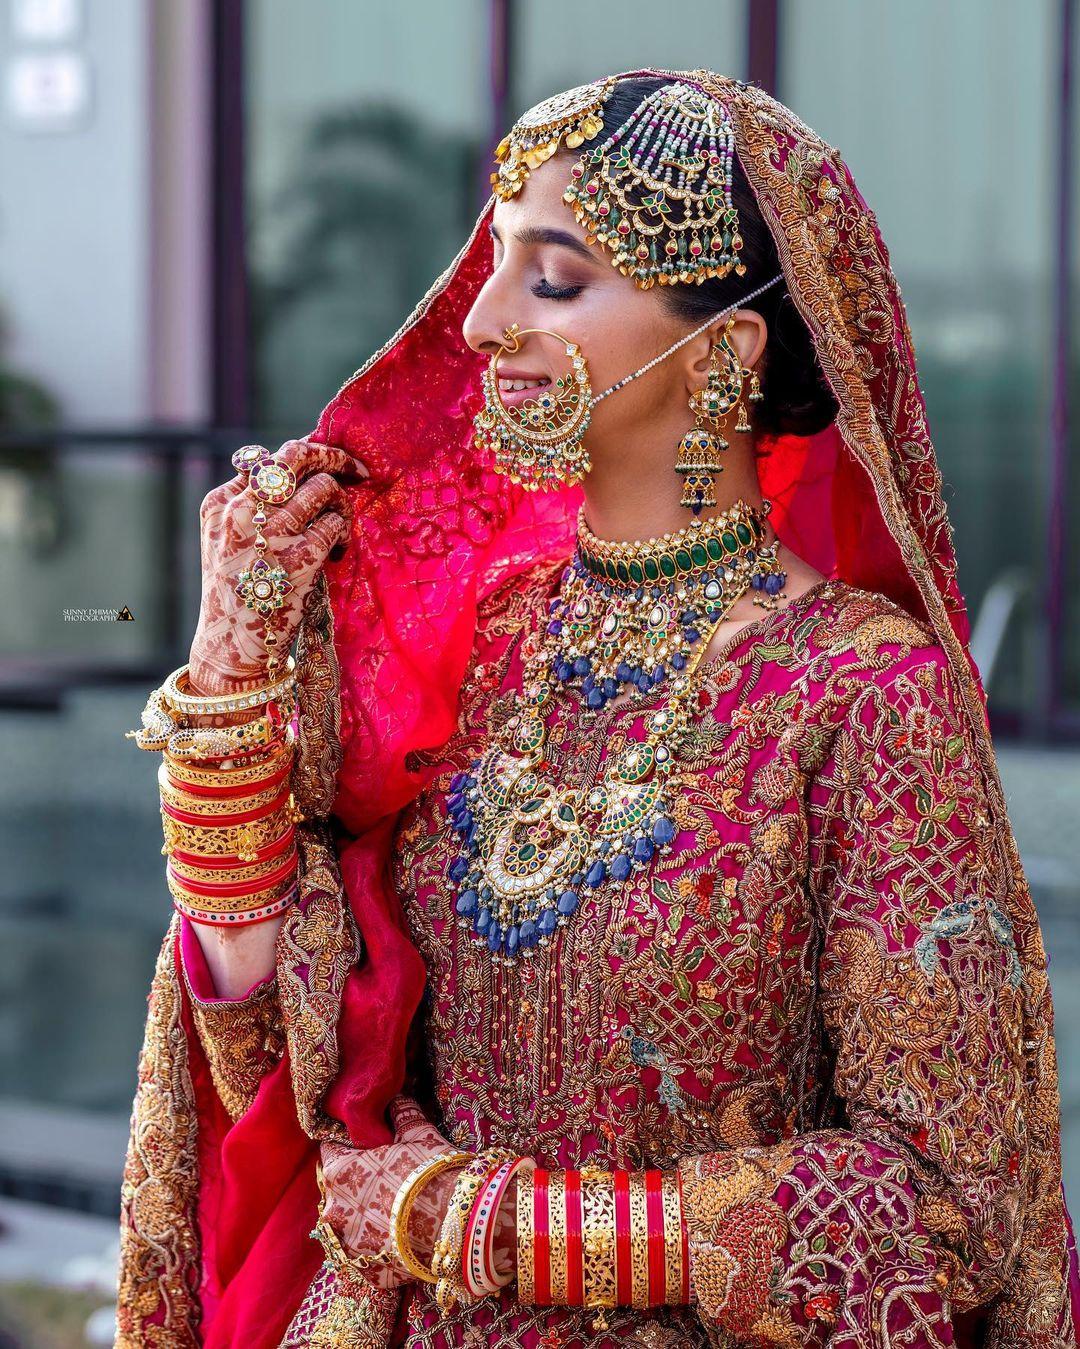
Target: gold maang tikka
[(541, 443), (697, 461), (570, 118)]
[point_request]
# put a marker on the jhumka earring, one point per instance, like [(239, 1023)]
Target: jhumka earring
[(538, 443), (698, 459)]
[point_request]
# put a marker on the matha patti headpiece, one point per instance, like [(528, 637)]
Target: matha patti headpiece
[(571, 117), (657, 192)]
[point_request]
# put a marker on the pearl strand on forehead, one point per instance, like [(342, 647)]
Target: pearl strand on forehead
[(688, 338)]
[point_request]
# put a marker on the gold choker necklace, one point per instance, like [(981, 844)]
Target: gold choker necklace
[(628, 615), (530, 849), (702, 545)]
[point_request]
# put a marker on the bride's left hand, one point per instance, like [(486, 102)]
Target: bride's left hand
[(361, 1184)]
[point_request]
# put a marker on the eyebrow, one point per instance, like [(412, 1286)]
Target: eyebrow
[(543, 234)]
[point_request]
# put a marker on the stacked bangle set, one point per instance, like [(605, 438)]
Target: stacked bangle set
[(602, 1239), (228, 814), (596, 1239), (226, 807)]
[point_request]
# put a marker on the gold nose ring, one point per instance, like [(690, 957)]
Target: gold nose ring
[(510, 338)]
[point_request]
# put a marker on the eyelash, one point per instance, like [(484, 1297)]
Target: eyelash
[(543, 290)]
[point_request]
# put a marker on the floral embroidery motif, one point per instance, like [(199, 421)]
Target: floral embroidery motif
[(242, 1040), (736, 1230)]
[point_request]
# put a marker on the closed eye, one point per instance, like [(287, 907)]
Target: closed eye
[(544, 290)]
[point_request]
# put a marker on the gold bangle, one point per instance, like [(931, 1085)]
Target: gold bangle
[(250, 874), (188, 773), (222, 742), (228, 840), (598, 1238), (179, 699), (211, 807), (557, 1236), (526, 1237), (401, 1210), (165, 728), (639, 1241), (446, 1260), (673, 1245), (229, 903)]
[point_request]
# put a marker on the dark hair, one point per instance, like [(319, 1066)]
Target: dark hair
[(796, 397)]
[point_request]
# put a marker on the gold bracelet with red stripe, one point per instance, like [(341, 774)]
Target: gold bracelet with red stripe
[(211, 899), (246, 841), (248, 772), (601, 1239), (249, 874), (227, 800)]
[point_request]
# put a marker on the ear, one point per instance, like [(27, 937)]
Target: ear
[(748, 336)]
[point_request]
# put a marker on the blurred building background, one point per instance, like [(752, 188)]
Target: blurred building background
[(212, 211)]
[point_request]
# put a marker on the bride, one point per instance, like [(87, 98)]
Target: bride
[(608, 927)]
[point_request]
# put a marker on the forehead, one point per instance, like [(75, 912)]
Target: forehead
[(541, 195)]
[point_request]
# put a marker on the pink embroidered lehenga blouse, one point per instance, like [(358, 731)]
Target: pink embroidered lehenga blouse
[(806, 1006)]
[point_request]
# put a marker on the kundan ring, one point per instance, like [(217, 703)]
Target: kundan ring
[(269, 480), (247, 456)]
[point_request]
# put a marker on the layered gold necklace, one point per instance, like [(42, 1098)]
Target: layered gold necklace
[(628, 619)]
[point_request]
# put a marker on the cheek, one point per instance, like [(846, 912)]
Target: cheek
[(659, 388), (616, 343)]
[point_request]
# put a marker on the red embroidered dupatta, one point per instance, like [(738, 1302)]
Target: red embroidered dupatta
[(217, 1215)]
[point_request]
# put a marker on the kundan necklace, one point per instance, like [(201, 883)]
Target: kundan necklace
[(628, 617)]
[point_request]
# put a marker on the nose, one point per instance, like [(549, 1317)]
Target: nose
[(484, 329)]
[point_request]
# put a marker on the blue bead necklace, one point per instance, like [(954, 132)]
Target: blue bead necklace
[(628, 618)]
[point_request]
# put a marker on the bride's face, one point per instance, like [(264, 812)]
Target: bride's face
[(545, 275)]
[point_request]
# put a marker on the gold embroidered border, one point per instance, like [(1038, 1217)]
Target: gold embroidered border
[(333, 1316), (317, 946), (159, 1250), (242, 1040), (318, 683)]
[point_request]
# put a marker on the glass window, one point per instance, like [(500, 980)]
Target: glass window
[(563, 43), (1070, 691), (944, 115), (364, 131)]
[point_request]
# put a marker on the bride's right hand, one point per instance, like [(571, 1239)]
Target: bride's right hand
[(228, 652)]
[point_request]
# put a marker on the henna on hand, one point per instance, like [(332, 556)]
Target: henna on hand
[(228, 652), (361, 1184)]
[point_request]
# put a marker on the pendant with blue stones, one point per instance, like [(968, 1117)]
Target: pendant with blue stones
[(530, 850)]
